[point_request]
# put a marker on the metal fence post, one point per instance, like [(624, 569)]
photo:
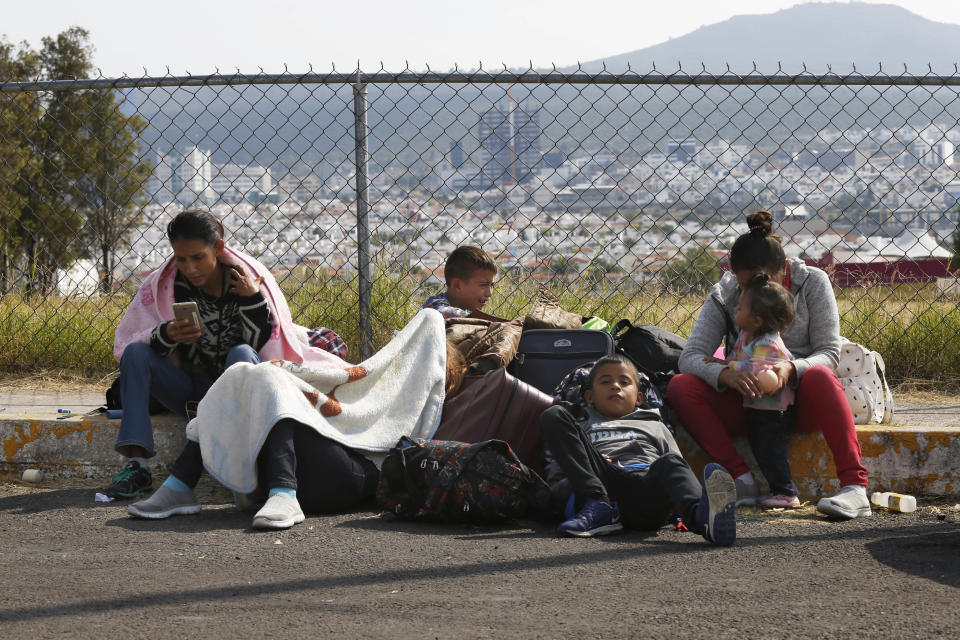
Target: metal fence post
[(363, 206)]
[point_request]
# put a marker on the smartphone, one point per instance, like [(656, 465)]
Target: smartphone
[(189, 311)]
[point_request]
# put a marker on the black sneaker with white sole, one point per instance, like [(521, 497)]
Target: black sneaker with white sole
[(130, 481)]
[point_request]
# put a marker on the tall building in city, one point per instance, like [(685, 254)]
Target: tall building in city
[(235, 182), (192, 173), (931, 151), (159, 186), (457, 157), (509, 143)]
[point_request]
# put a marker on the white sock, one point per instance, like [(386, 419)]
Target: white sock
[(142, 461), (746, 478), (862, 490)]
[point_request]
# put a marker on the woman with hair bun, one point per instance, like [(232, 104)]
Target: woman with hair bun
[(708, 396)]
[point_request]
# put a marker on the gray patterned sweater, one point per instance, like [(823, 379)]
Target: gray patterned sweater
[(813, 338), (227, 321)]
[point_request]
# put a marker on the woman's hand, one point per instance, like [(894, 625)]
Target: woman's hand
[(785, 371), (743, 382), (242, 284), (183, 330)]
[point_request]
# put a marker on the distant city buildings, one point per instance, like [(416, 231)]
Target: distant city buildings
[(457, 156), (189, 177), (853, 196), (681, 150), (509, 138), (237, 182), (192, 173)]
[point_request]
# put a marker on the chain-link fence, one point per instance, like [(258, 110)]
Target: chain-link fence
[(622, 193)]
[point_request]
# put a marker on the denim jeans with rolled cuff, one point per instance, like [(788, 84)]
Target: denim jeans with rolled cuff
[(145, 373)]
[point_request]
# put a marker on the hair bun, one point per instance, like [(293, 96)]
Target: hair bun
[(760, 223)]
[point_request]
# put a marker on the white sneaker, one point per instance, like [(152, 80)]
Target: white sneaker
[(850, 502), (279, 512)]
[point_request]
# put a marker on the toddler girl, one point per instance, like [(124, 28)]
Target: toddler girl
[(765, 309)]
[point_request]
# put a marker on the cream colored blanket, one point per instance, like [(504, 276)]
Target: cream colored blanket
[(398, 391)]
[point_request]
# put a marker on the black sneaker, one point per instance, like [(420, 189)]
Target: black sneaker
[(130, 481)]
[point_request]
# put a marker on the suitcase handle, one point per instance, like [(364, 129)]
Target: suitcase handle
[(547, 355)]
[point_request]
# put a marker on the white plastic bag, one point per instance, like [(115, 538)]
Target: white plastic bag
[(863, 374)]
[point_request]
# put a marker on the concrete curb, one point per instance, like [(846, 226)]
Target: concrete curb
[(917, 460), (78, 447), (905, 459)]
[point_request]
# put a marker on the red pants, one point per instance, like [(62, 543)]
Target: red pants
[(713, 417)]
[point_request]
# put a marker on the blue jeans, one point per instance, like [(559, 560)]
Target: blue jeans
[(144, 373)]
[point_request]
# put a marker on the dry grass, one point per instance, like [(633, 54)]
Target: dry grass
[(68, 341), (59, 379), (927, 392)]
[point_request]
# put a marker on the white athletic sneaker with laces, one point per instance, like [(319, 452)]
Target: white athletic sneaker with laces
[(850, 502), (279, 512)]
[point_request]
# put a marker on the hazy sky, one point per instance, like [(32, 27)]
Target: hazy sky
[(199, 35)]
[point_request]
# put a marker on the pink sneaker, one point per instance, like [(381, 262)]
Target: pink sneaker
[(778, 501)]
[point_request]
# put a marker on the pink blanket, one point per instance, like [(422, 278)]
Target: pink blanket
[(153, 304)]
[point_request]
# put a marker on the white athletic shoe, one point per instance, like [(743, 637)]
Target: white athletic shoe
[(850, 502), (279, 512), (165, 502)]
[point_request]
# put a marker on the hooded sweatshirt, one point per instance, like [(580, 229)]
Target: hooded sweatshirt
[(813, 338)]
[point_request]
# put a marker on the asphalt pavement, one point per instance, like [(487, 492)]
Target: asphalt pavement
[(74, 568)]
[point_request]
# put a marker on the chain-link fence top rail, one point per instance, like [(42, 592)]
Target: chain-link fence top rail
[(621, 192)]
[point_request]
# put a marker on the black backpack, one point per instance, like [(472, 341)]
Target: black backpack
[(655, 352), (444, 481)]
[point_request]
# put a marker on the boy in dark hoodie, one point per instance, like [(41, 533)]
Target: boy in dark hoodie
[(622, 462)]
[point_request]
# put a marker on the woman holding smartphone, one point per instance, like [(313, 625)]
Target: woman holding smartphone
[(165, 354)]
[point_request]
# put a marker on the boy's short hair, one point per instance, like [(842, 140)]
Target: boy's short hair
[(616, 358), (464, 261)]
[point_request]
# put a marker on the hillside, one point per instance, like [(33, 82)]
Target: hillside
[(817, 33)]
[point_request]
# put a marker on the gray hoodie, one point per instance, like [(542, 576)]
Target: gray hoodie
[(813, 338)]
